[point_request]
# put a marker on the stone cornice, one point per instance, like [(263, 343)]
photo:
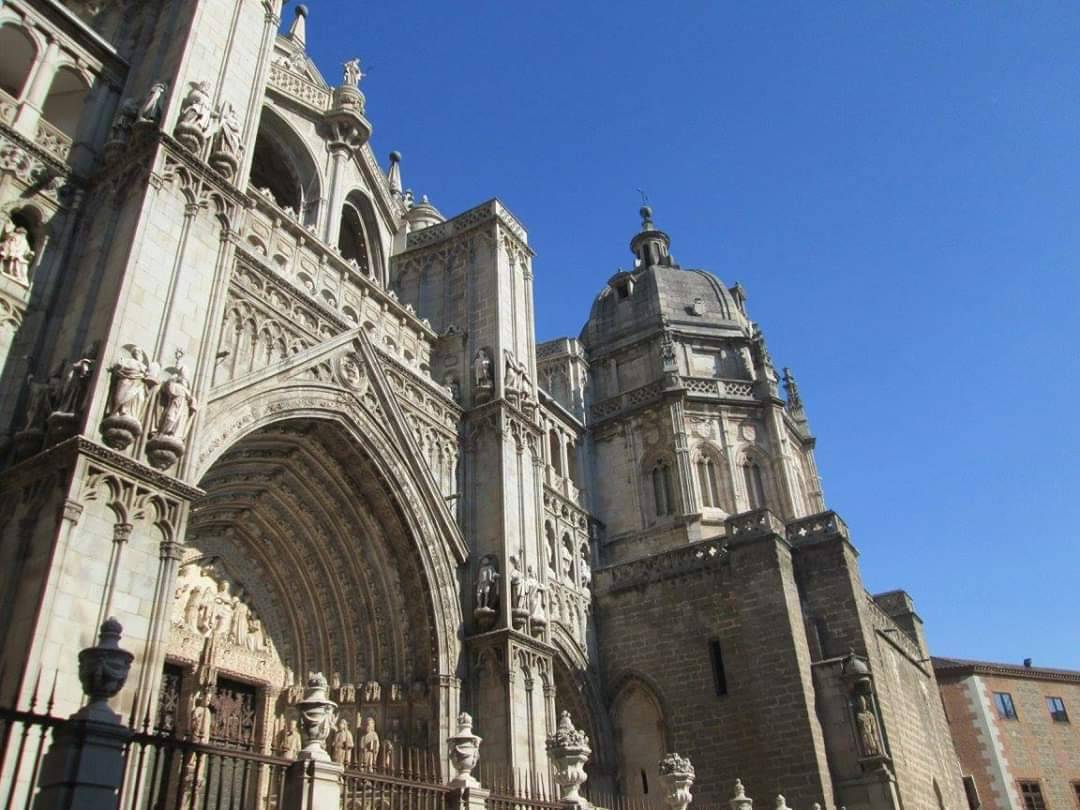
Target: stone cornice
[(68, 452), (689, 559), (490, 211)]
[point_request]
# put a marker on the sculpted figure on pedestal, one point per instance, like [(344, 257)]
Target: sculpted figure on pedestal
[(196, 117), (352, 73), (369, 745), (487, 588), (868, 730), (225, 147), (174, 407), (15, 252), (126, 116), (131, 378), (483, 376), (290, 742), (341, 748), (153, 104)]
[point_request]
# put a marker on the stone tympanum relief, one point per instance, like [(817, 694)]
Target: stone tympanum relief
[(215, 625)]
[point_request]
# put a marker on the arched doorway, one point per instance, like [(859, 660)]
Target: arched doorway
[(641, 738), (300, 558)]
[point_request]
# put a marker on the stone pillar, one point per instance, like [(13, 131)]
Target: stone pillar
[(34, 96), (568, 751), (84, 767), (677, 774), (313, 782)]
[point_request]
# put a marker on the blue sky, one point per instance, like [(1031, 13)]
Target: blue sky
[(897, 185)]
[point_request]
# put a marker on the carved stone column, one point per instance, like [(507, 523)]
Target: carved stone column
[(84, 767)]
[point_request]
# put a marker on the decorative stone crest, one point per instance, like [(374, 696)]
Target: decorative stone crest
[(487, 593), (677, 774), (568, 750), (102, 671), (16, 255), (464, 753), (317, 713), (351, 372), (196, 118)]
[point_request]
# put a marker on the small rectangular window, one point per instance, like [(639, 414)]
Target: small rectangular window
[(719, 676), (1057, 709), (1031, 794), (1004, 703)]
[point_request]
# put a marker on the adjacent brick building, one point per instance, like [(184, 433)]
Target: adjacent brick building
[(1016, 730)]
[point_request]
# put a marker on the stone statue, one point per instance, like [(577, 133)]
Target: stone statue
[(290, 743), (388, 752), (174, 407), (567, 555), (238, 622), (153, 104), (866, 723), (487, 584), (15, 252), (348, 693), (372, 692), (341, 748), (397, 692), (583, 567), (482, 373), (369, 745), (196, 117), (256, 642), (75, 385), (227, 139), (131, 379), (193, 609), (352, 73), (199, 727), (120, 132)]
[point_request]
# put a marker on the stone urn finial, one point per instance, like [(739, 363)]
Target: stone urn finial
[(464, 753), (740, 801), (677, 774), (103, 670), (781, 802), (317, 713), (568, 749)]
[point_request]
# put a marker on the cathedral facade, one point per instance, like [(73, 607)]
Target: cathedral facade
[(278, 417)]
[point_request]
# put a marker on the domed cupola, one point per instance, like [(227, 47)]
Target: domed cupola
[(651, 246)]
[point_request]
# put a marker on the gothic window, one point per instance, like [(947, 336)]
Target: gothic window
[(707, 482), (754, 483), (352, 242), (663, 491), (1057, 709), (64, 104), (555, 448), (282, 167), (17, 55)]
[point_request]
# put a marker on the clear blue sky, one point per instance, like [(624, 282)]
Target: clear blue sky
[(896, 184)]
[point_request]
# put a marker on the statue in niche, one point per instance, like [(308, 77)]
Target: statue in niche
[(372, 692), (256, 641), (483, 376), (347, 694), (290, 741), (175, 405), (538, 616), (193, 609), (567, 555), (866, 723), (153, 104), (397, 692), (341, 748), (369, 745), (15, 252), (586, 572), (519, 594), (487, 584), (238, 621), (390, 743)]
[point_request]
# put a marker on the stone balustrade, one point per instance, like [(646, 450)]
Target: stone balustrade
[(299, 88)]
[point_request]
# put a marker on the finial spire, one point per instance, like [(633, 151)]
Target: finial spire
[(794, 401), (394, 174), (651, 245), (298, 29)]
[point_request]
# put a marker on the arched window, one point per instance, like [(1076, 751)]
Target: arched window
[(663, 491), (555, 450), (358, 239), (282, 167), (754, 483), (17, 54), (707, 482), (64, 104)]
